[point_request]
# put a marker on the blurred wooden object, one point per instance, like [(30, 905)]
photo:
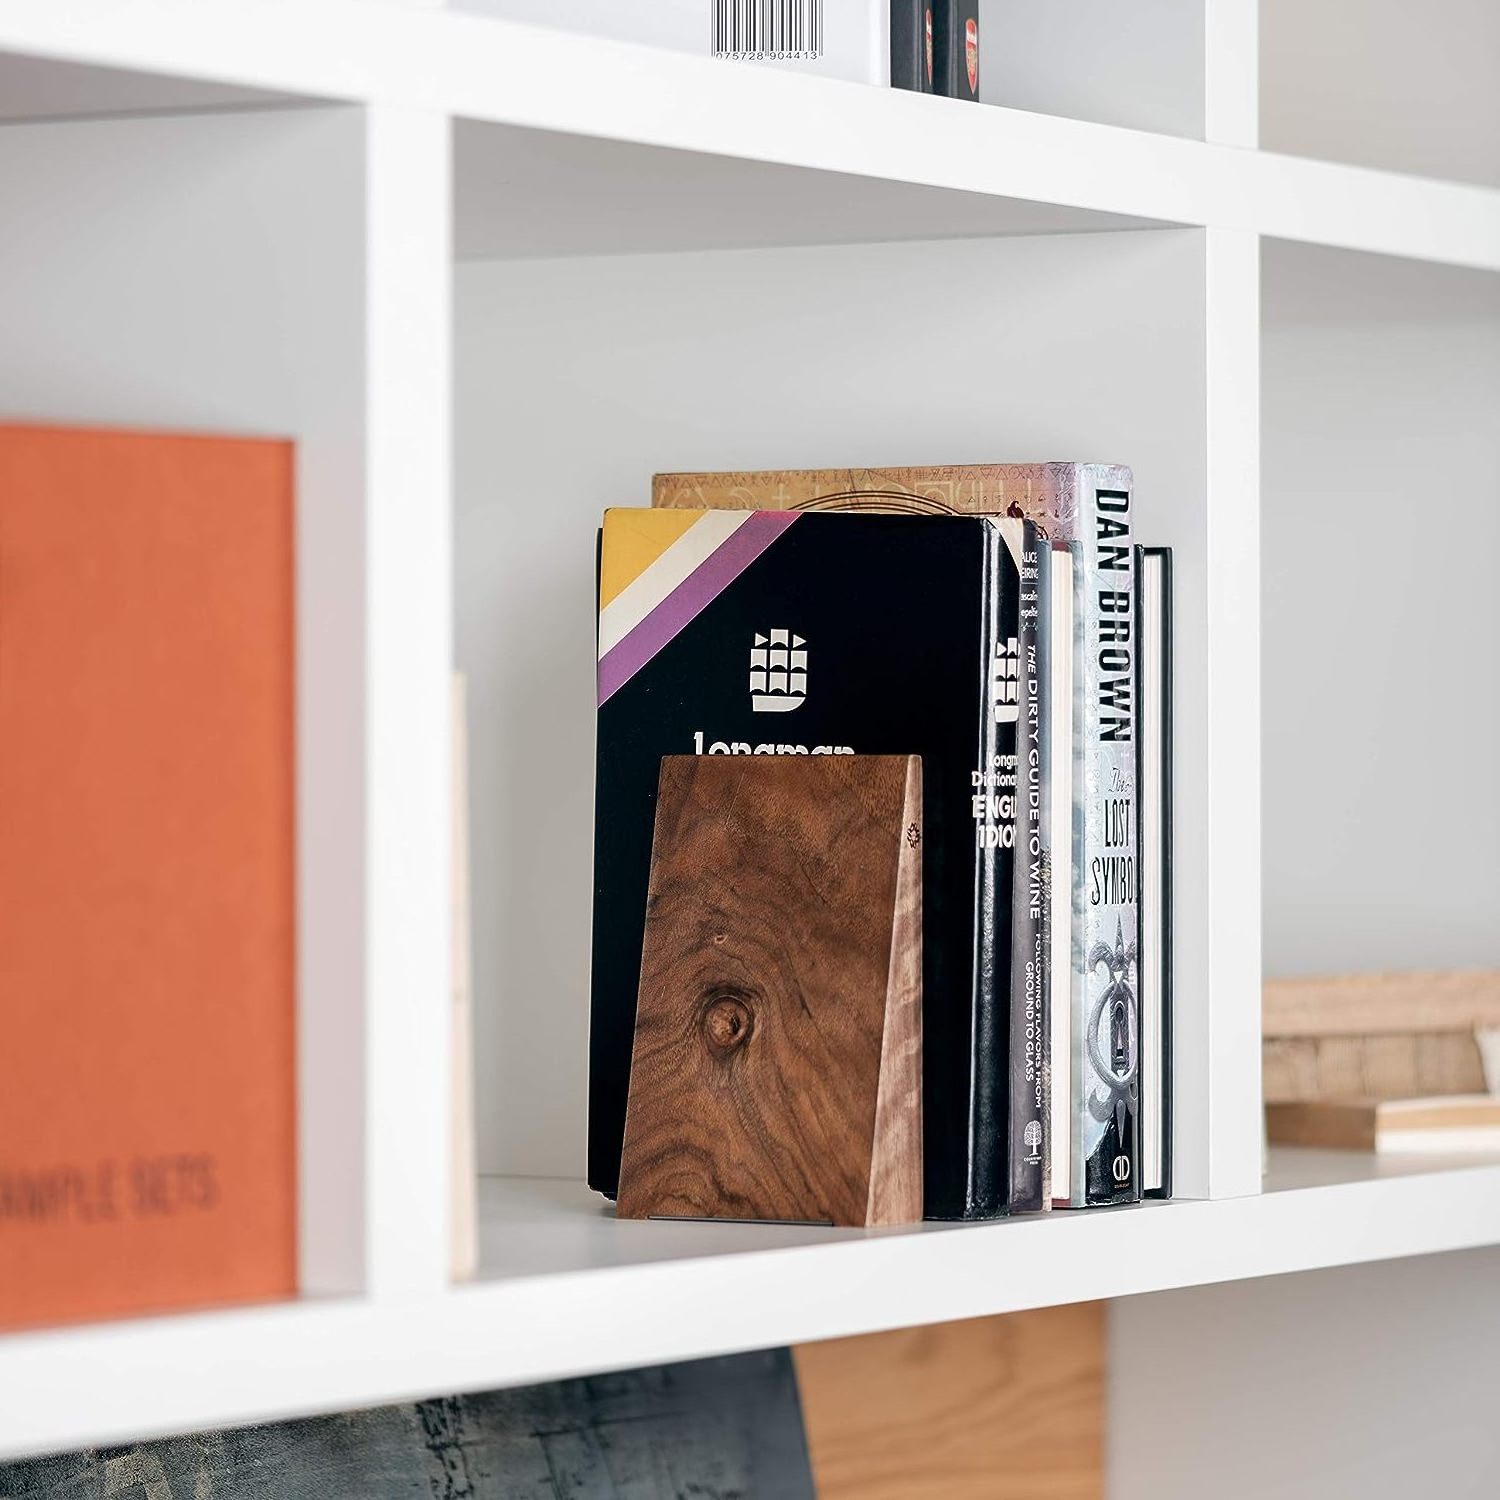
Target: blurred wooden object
[(1007, 1408), (1455, 1123), (1393, 1066), (1360, 1004), (1373, 1062), (1377, 1036), (777, 1064)]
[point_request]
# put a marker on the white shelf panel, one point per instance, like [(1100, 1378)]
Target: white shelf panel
[(942, 168), (531, 193), (567, 1290), (40, 88)]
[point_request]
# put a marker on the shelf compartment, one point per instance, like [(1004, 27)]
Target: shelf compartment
[(1381, 509), (233, 272), (576, 379)]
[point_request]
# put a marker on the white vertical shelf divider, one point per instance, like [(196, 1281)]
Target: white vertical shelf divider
[(1216, 1015), (329, 361), (408, 611), (1231, 72), (1218, 1025)]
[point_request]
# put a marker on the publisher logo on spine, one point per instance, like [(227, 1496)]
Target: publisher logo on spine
[(1005, 681), (778, 672), (971, 53)]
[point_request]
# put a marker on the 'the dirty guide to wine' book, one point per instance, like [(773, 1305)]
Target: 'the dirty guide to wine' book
[(756, 633), (1088, 1006)]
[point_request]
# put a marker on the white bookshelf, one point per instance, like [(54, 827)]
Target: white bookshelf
[(567, 1291), (490, 278)]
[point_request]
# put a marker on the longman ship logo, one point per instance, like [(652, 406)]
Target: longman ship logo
[(1005, 681), (778, 672)]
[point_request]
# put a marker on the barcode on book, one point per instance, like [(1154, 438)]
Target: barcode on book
[(770, 29)]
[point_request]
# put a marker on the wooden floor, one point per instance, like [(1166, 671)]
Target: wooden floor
[(1007, 1408)]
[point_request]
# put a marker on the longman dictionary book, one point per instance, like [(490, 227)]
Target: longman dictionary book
[(147, 1131), (754, 633)]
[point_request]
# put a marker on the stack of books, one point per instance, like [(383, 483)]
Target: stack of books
[(1001, 622)]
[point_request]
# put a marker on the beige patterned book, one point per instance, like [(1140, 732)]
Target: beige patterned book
[(1047, 493)]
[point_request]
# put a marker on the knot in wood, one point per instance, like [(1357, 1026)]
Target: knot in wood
[(727, 1021)]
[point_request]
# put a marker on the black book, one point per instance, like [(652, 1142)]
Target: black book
[(1031, 895), (1154, 782), (811, 633), (912, 61), (956, 46)]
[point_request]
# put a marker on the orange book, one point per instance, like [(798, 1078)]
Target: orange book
[(147, 1115)]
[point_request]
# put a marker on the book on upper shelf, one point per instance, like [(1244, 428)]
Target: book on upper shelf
[(147, 872), (845, 39), (913, 45), (956, 48)]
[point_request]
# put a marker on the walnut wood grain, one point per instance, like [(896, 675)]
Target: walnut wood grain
[(896, 1157), (1007, 1408), (777, 1058), (1356, 1004)]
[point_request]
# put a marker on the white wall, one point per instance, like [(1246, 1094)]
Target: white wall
[(1384, 83), (1373, 1381), (576, 379), (1381, 525), (1140, 65)]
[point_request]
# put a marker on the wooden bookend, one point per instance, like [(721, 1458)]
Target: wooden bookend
[(778, 1037)]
